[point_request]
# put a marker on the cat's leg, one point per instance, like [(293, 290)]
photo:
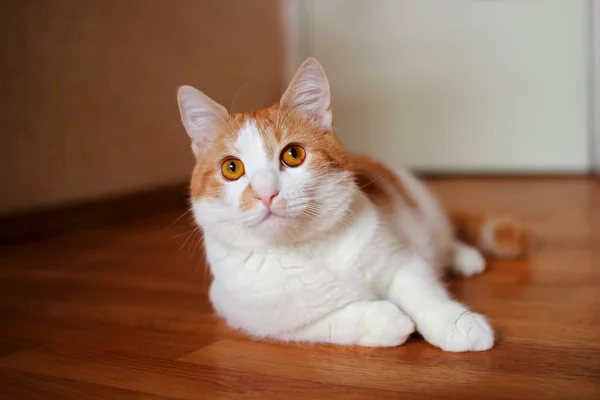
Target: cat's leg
[(443, 322), (363, 323), (466, 260)]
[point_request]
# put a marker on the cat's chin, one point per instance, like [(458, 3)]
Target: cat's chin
[(275, 228)]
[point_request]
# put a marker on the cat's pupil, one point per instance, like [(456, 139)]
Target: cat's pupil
[(293, 152), (232, 166)]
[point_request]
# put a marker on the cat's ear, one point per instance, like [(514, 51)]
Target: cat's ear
[(201, 117), (309, 94)]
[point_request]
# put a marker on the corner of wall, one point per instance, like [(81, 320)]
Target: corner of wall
[(594, 74), (295, 23)]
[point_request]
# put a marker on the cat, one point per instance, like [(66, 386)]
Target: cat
[(309, 243)]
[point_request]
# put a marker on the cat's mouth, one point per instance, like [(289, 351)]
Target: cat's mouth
[(269, 216)]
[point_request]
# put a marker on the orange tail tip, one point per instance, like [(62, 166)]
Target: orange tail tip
[(498, 236), (504, 237)]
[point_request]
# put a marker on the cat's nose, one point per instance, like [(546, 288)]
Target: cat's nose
[(267, 200)]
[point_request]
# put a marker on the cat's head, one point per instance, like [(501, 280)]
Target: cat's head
[(270, 176)]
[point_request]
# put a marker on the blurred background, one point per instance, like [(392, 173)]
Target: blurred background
[(445, 87), (103, 278)]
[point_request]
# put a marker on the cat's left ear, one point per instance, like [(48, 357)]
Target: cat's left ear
[(309, 93)]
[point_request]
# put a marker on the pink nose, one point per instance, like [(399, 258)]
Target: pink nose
[(267, 200)]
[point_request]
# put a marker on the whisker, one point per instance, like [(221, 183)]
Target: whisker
[(174, 126), (374, 180), (182, 233), (186, 240), (178, 218), (194, 242), (236, 95)]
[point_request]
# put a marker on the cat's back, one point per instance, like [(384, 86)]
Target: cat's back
[(405, 202), (387, 190)]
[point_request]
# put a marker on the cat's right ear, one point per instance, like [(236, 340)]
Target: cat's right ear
[(201, 117)]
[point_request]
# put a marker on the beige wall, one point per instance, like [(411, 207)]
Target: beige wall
[(459, 86), (88, 89)]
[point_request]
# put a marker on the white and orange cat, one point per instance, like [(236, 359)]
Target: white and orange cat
[(309, 243)]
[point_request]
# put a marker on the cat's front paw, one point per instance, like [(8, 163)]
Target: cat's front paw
[(384, 325), (468, 331)]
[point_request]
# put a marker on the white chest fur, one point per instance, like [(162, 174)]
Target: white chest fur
[(290, 285)]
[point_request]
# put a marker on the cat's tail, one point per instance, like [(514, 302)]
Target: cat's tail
[(496, 236)]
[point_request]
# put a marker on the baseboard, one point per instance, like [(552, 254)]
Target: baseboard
[(44, 223)]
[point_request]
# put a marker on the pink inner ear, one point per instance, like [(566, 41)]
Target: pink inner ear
[(201, 117), (308, 93), (313, 102), (309, 97)]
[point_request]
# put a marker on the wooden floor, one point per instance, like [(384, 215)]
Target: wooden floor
[(121, 313)]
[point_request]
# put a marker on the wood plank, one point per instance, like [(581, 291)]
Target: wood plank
[(23, 386), (107, 337), (430, 370), (10, 345), (170, 378)]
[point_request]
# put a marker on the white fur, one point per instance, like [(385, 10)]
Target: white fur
[(331, 267), (467, 260)]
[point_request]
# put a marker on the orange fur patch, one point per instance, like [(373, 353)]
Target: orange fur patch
[(379, 182), (247, 199), (505, 234), (206, 181), (510, 238), (324, 149)]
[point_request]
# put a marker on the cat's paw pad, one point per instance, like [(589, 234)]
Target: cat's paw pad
[(469, 332), (468, 261), (384, 325)]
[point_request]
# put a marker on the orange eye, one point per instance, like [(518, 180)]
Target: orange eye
[(293, 155), (232, 169)]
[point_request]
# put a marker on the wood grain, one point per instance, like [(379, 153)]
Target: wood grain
[(121, 312)]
